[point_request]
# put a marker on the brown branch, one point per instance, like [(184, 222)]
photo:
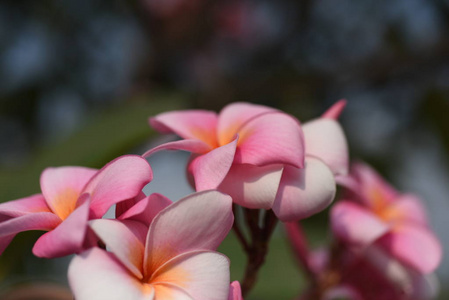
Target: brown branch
[(258, 249), (238, 232)]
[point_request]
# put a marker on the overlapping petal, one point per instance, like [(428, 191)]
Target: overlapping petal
[(68, 237), (251, 186), (126, 239), (353, 223), (20, 215), (191, 145), (34, 221), (234, 116), (303, 192), (210, 169), (62, 186), (199, 221), (202, 274), (415, 246), (407, 208), (20, 207), (123, 206), (96, 274), (271, 138), (325, 139), (372, 189), (188, 124), (121, 179), (146, 209)]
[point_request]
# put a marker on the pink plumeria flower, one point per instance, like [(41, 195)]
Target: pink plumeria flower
[(173, 259), (70, 197), (374, 213), (260, 156), (375, 274), (359, 275), (372, 275)]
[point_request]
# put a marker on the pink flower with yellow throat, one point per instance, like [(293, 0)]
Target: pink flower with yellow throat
[(374, 214), (173, 258), (261, 156), (70, 197)]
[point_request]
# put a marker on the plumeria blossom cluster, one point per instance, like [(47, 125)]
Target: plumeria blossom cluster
[(383, 246), (249, 159)]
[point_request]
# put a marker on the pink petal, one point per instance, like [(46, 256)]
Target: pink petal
[(96, 274), (210, 169), (407, 208), (304, 192), (20, 207), (164, 291), (202, 274), (32, 221), (235, 292), (194, 146), (271, 138), (125, 239), (348, 182), (325, 139), (251, 186), (68, 237), (35, 221), (121, 179), (62, 186), (205, 218), (355, 224), (374, 191), (335, 110), (145, 210), (123, 206), (414, 246), (188, 124), (234, 116)]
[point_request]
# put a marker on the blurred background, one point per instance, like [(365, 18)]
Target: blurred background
[(78, 80)]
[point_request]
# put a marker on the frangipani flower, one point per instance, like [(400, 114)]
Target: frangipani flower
[(173, 259), (255, 138), (372, 275), (345, 272), (376, 214), (70, 197), (260, 156)]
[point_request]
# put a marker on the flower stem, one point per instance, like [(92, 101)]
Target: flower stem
[(260, 232), (238, 232), (298, 242), (328, 277)]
